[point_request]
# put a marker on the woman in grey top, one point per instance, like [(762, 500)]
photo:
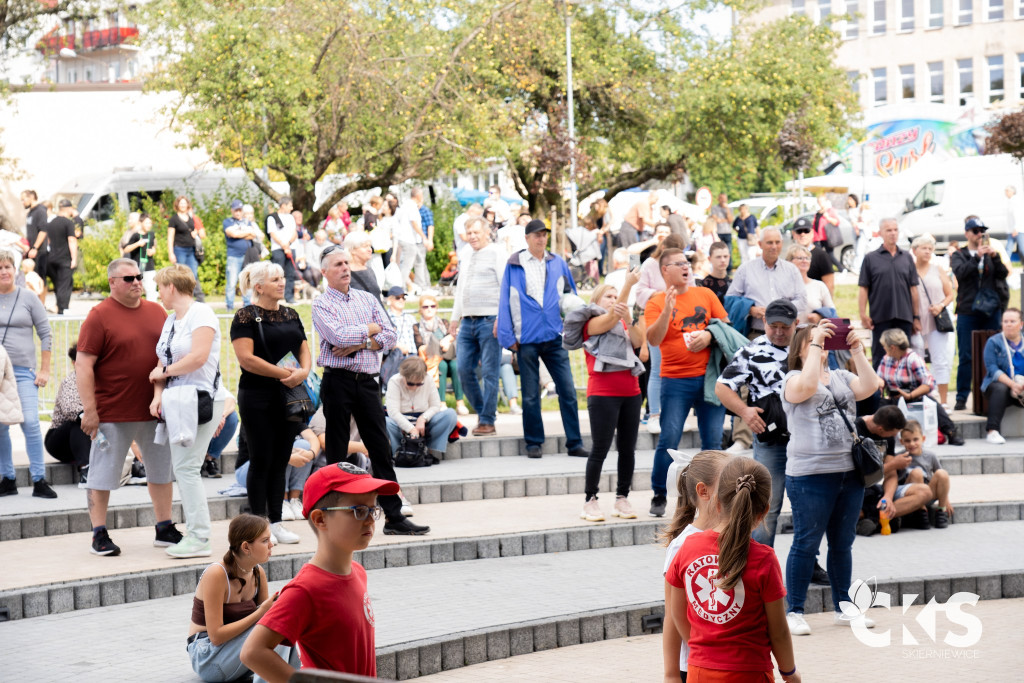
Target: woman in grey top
[(824, 490), (21, 312)]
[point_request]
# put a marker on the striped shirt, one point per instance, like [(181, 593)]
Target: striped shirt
[(341, 320)]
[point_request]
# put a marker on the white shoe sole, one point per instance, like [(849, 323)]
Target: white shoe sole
[(623, 515), (185, 556), (589, 518)]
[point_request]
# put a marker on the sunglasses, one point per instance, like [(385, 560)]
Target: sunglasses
[(128, 279), (802, 231), (429, 306), (360, 512), (976, 231), (413, 384)]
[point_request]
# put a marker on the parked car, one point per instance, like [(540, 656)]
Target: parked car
[(771, 210)]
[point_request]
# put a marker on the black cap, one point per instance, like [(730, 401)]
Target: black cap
[(64, 203), (780, 311), (802, 225), (396, 291), (975, 224), (536, 225)]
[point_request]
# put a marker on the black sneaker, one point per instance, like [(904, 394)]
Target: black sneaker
[(404, 527), (941, 519), (102, 545), (658, 504), (210, 469), (138, 473), (533, 451), (580, 452), (83, 476), (955, 438), (820, 576), (866, 527), (960, 405), (41, 489), (167, 537), (8, 487), (918, 519)]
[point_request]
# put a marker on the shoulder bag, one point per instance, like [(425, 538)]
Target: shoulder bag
[(299, 406), (204, 398), (866, 458), (943, 323)]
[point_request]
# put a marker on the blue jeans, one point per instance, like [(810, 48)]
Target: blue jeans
[(295, 477), (1016, 243), (28, 393), (823, 505), (966, 324), (654, 381), (556, 360), (772, 456), (221, 441), (678, 395), (508, 381), (477, 344), (235, 265), (223, 662), (438, 429), (278, 257), (187, 257)]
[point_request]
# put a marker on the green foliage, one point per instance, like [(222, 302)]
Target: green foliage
[(98, 248), (444, 237)]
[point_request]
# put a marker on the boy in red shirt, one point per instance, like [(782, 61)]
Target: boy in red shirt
[(326, 608)]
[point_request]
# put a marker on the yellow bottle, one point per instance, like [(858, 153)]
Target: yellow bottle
[(883, 519)]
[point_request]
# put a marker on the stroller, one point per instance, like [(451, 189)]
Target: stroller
[(450, 275), (584, 259)]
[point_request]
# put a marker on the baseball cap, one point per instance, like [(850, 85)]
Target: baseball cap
[(975, 224), (802, 225), (236, 205), (64, 203), (536, 225), (396, 291), (343, 477), (780, 311)]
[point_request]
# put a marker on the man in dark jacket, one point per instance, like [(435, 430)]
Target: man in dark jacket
[(978, 270)]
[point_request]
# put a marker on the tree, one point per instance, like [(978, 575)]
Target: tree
[(1006, 136)]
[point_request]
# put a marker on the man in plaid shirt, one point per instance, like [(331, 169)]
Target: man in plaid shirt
[(354, 331)]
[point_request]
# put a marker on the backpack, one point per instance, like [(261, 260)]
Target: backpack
[(413, 453)]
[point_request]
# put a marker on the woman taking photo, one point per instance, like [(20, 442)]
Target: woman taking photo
[(824, 489), (21, 313), (261, 335), (232, 596), (182, 234), (934, 293), (189, 361), (437, 347)]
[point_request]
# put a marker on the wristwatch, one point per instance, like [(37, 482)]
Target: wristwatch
[(369, 342)]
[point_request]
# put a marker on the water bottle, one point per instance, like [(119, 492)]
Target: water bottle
[(102, 443), (884, 520)]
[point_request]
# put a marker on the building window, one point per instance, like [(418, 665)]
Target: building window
[(799, 7), (907, 81), (996, 89), (878, 17), (935, 79), (879, 86), (824, 11), (935, 13), (965, 80), (1020, 75), (906, 15), (852, 29), (965, 15), (994, 10)]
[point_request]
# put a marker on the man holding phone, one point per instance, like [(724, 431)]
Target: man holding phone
[(888, 284)]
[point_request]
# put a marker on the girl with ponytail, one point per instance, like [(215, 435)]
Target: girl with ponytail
[(728, 596), (695, 512), (229, 600)]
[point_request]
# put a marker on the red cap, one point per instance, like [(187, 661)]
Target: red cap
[(346, 478)]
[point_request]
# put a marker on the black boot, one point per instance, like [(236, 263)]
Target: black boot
[(954, 438)]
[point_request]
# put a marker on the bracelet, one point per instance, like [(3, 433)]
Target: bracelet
[(787, 673), (818, 345)]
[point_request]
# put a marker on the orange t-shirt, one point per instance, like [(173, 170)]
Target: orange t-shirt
[(692, 312)]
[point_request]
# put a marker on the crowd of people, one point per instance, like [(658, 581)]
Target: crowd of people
[(759, 345)]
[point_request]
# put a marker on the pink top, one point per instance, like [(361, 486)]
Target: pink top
[(651, 282)]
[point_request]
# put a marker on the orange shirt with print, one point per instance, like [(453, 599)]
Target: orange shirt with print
[(692, 312)]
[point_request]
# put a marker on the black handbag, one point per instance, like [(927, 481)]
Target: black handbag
[(943, 322), (298, 406), (413, 453), (866, 458)]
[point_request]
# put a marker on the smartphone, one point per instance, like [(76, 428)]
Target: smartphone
[(984, 240), (838, 339), (634, 261)]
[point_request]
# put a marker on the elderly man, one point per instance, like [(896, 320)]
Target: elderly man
[(530, 324), (888, 283), (354, 330), (766, 279), (359, 245), (677, 321), (475, 321), (459, 226), (116, 349), (761, 366)]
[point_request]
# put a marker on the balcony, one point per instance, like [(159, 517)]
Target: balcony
[(92, 40), (51, 44)]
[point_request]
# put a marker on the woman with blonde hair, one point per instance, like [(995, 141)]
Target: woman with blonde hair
[(935, 292), (436, 346)]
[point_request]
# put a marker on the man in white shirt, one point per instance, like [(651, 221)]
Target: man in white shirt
[(406, 231), (459, 226), (424, 237), (475, 321), (283, 239), (502, 211)]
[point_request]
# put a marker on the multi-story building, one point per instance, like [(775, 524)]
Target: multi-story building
[(100, 49)]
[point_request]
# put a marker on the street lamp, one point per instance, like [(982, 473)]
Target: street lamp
[(572, 116)]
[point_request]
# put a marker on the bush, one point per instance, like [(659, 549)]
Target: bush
[(444, 237)]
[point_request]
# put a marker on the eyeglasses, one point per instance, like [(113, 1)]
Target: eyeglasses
[(429, 306), (678, 264), (360, 512), (128, 279), (801, 258)]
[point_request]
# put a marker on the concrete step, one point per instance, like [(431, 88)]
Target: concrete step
[(444, 616)]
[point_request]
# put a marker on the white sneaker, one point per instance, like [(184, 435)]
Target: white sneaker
[(297, 508), (514, 408), (283, 535), (592, 511), (406, 506), (798, 626), (995, 437), (737, 449), (844, 620), (287, 514), (654, 424)]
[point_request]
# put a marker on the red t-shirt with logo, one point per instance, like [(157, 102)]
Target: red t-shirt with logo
[(617, 383), (728, 629), (330, 616)]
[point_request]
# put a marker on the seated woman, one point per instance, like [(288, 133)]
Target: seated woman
[(65, 439), (1004, 373), (436, 347), (415, 409), (223, 435), (906, 376), (231, 597), (300, 466)]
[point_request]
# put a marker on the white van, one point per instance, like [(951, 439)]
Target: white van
[(959, 188)]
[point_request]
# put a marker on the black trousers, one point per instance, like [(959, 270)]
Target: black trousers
[(60, 275), (68, 443), (269, 437), (345, 396), (999, 399), (278, 256), (876, 336), (41, 259), (608, 415)]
